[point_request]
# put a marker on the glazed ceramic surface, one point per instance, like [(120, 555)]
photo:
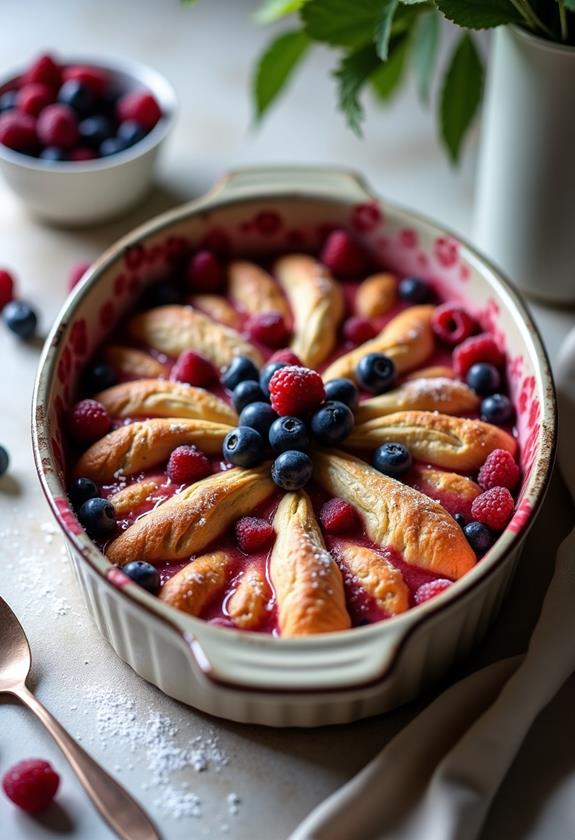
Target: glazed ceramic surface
[(328, 678)]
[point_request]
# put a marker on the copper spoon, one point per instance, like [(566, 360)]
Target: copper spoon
[(121, 812)]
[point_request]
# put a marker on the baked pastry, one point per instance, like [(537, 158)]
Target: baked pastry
[(254, 291), (130, 363), (375, 575), (432, 372), (132, 497), (217, 308), (162, 398), (248, 605), (376, 295), (196, 584), (454, 491), (448, 396)]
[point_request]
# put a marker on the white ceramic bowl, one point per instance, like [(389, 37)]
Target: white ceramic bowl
[(254, 677), (84, 193)]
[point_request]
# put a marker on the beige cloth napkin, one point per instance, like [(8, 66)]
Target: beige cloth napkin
[(437, 778)]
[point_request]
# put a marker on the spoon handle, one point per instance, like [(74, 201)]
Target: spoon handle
[(121, 812)]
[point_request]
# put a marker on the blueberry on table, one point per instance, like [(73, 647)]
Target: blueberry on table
[(260, 416), (245, 393), (243, 447), (81, 490), (332, 423), (288, 433), (130, 132), (393, 459), (20, 318), (414, 290), (98, 517), (376, 373), (4, 460), (342, 390), (239, 370), (144, 574), (483, 378), (267, 373), (479, 537), (78, 96), (292, 470), (94, 130), (497, 409)]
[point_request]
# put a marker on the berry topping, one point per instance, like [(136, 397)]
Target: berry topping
[(478, 348), (247, 392), (267, 373), (89, 421), (239, 370), (414, 290), (58, 126), (376, 373), (4, 461), (6, 288), (31, 99), (45, 71), (497, 409), (111, 146), (31, 784), (243, 447), (342, 390), (479, 537), (18, 131), (94, 130), (499, 470), (81, 490), (91, 77), (20, 318), (288, 433), (194, 368), (144, 574), (484, 378), (430, 590), (254, 534), (268, 328), (358, 329), (285, 355), (343, 255), (393, 459), (77, 272), (81, 153), (98, 517), (296, 391), (52, 153), (204, 272), (292, 470), (131, 132), (460, 519), (332, 423), (451, 324), (141, 107), (338, 517), (78, 96), (493, 508), (259, 416), (99, 377), (188, 464)]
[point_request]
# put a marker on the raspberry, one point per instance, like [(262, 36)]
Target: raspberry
[(499, 470), (81, 153), (358, 329), (31, 784), (188, 464), (76, 274), (6, 288), (92, 77), (296, 391), (18, 131), (58, 126), (89, 421), (44, 71), (254, 534), (194, 369), (204, 272), (430, 589), (268, 328), (478, 348), (452, 324), (286, 356), (139, 106), (493, 508), (31, 99), (338, 517), (343, 255)]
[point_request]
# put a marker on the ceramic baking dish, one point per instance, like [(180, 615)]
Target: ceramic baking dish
[(254, 677)]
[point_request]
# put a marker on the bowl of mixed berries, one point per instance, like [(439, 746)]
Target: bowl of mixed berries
[(79, 139)]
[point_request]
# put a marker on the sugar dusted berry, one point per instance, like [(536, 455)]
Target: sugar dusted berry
[(31, 784), (89, 421), (188, 464), (18, 132), (268, 328), (244, 447), (292, 470), (338, 517), (296, 391), (139, 106), (343, 254), (477, 348), (6, 287), (358, 329), (499, 470), (204, 272), (451, 324), (430, 589), (58, 126), (254, 534), (493, 508), (144, 574), (98, 518), (194, 368)]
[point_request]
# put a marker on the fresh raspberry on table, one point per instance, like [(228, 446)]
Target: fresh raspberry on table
[(194, 369), (89, 421), (338, 517), (204, 272), (18, 131), (477, 348), (499, 470), (58, 126), (77, 272), (44, 71), (285, 355), (430, 589), (188, 464), (343, 254), (493, 508), (452, 324), (139, 106), (31, 784), (92, 77), (358, 329), (268, 328), (254, 534), (296, 391), (6, 288), (33, 98)]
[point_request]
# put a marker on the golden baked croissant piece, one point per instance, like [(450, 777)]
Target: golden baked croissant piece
[(254, 291), (453, 442), (377, 576), (376, 295), (162, 398), (247, 605), (173, 329), (407, 339), (189, 521), (147, 443), (433, 372), (317, 304), (218, 308), (449, 396), (455, 492), (127, 361), (397, 516), (194, 586), (306, 579), (129, 498)]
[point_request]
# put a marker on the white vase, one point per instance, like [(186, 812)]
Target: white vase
[(525, 218)]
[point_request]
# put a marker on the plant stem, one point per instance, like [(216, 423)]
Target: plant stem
[(531, 18), (563, 20)]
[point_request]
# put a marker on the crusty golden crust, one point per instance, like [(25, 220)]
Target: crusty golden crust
[(162, 398), (194, 586), (407, 339), (377, 576), (455, 492), (128, 499), (456, 443), (189, 521), (433, 372), (247, 605), (306, 579), (376, 295), (449, 396), (146, 443), (173, 329), (218, 308), (127, 361), (317, 304), (254, 291), (396, 515)]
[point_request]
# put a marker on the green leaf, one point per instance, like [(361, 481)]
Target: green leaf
[(352, 74), (341, 23), (388, 76), (383, 27), (425, 45), (461, 94), (276, 66), (479, 14), (569, 4), (272, 10)]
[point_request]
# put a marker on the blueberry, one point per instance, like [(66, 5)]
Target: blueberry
[(484, 378), (162, 293), (342, 390), (144, 574), (111, 146), (131, 132), (259, 416), (243, 447), (478, 537), (376, 373), (332, 423), (52, 153), (460, 519), (414, 290), (8, 100), (288, 433), (4, 460), (245, 393), (81, 490), (94, 130), (20, 318), (393, 459), (99, 377), (78, 96), (98, 517), (267, 373), (497, 409), (292, 470), (239, 369)]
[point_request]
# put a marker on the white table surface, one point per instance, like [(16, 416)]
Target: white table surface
[(207, 52)]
